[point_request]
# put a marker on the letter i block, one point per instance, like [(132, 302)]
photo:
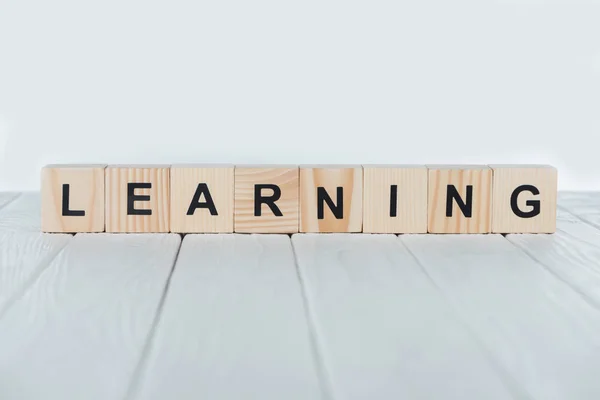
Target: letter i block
[(524, 199), (331, 199), (72, 198), (202, 198), (395, 199), (266, 199), (137, 198), (459, 199)]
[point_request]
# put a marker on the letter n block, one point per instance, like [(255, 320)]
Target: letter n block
[(460, 199), (72, 198), (266, 199), (524, 199), (331, 199), (395, 199), (137, 199), (202, 198)]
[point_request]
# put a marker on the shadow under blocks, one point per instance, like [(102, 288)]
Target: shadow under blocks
[(225, 198)]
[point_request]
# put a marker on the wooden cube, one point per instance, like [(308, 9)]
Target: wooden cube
[(266, 199), (459, 199), (72, 198), (395, 199), (202, 198), (137, 198), (330, 198), (524, 199)]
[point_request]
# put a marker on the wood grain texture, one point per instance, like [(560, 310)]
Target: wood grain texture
[(411, 199), (508, 178), (542, 334), (184, 183), (233, 325), (286, 178), (349, 178), (80, 329), (24, 251), (86, 193), (117, 179), (7, 198), (384, 330), (584, 205), (461, 176)]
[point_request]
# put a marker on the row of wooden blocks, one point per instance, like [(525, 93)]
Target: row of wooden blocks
[(289, 199)]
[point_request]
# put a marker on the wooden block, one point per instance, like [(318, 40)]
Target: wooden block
[(202, 198), (330, 199), (395, 199), (459, 199), (524, 198), (137, 198), (72, 198), (266, 199)]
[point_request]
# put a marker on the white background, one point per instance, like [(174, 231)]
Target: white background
[(302, 81)]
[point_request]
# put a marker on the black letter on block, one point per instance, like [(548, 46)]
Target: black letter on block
[(465, 207), (210, 204), (65, 203), (393, 200), (132, 198), (535, 204), (259, 199), (323, 197)]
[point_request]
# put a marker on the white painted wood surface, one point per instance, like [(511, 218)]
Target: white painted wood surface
[(384, 330), (233, 325), (80, 330), (542, 333), (585, 205)]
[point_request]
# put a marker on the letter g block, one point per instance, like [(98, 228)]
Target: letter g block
[(524, 199)]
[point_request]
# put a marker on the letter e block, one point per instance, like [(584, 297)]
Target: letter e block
[(524, 199), (266, 199), (460, 199), (395, 199), (72, 198), (137, 199), (331, 199), (202, 198)]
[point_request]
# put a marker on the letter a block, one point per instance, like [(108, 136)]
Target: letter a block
[(137, 199), (459, 199), (395, 199), (202, 198), (524, 199), (73, 198), (331, 199), (266, 199)]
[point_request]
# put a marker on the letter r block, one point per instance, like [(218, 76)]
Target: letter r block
[(459, 199), (72, 198), (202, 198), (266, 199), (524, 199), (331, 198), (137, 199)]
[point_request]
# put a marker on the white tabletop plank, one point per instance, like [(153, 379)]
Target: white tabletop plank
[(78, 332), (585, 205), (541, 331), (384, 331), (233, 325), (572, 254), (24, 252), (7, 197)]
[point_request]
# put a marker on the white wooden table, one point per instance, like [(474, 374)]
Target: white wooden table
[(100, 316)]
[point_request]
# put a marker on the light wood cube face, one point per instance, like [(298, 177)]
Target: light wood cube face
[(331, 199), (524, 199), (266, 199), (202, 199), (395, 199), (459, 199), (72, 198), (137, 199)]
